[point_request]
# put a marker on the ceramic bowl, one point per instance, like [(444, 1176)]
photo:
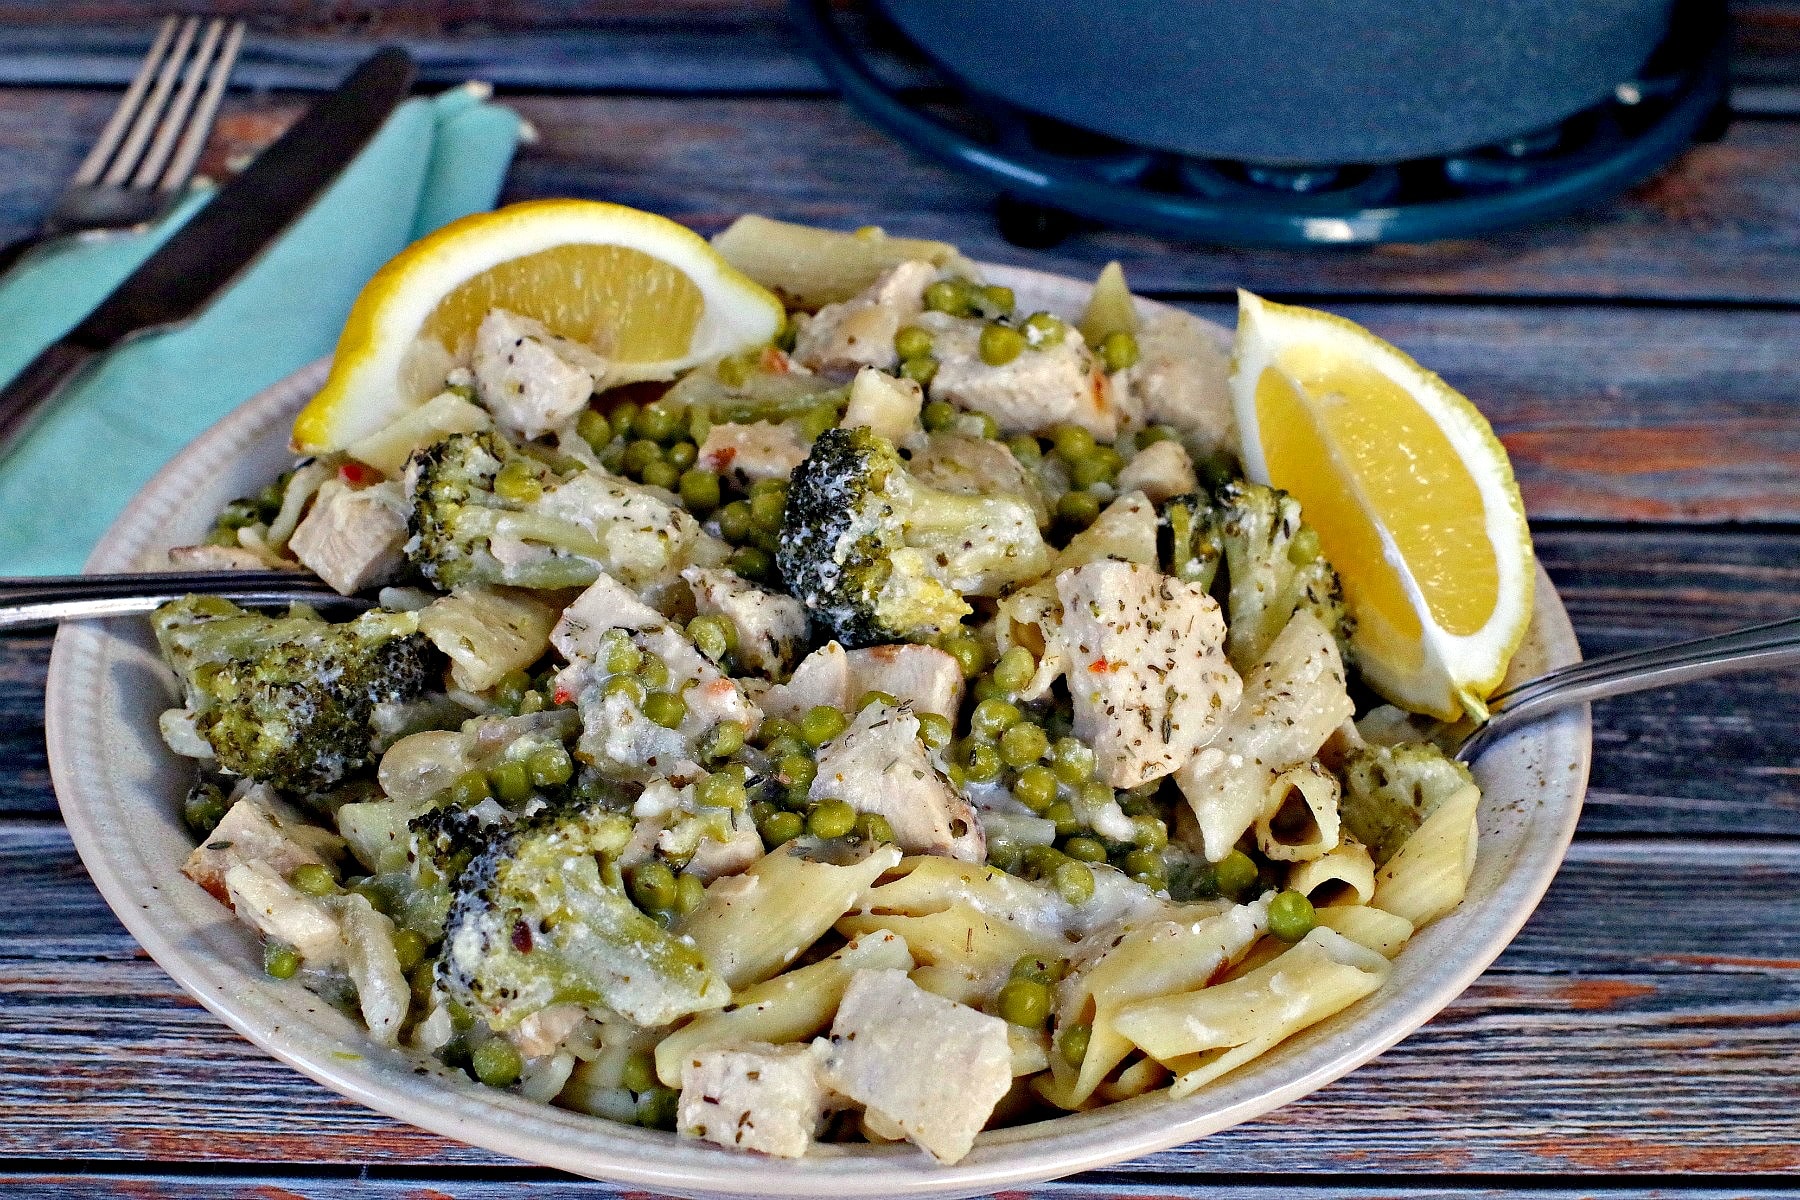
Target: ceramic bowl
[(120, 792)]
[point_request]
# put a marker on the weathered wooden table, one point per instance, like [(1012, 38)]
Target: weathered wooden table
[(1642, 364)]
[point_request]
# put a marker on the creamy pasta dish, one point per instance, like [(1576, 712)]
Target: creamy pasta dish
[(908, 727)]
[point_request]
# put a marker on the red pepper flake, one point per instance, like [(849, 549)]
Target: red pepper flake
[(357, 475), (775, 360), (719, 460), (561, 695), (1100, 666)]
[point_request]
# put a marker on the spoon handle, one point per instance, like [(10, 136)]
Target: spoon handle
[(33, 603), (1759, 647)]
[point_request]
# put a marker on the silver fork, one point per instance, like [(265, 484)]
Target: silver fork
[(148, 150)]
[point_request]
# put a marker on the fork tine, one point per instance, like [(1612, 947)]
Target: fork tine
[(151, 112), (199, 126), (96, 159), (175, 117)]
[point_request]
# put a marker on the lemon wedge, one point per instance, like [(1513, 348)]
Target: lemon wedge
[(1411, 494), (649, 295)]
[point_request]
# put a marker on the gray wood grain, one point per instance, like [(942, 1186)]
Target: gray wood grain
[(1631, 1028)]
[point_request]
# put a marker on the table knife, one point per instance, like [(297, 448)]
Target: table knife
[(176, 282)]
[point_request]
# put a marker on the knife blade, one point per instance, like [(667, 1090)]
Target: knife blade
[(204, 255)]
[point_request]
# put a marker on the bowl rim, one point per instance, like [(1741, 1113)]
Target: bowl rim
[(591, 1146)]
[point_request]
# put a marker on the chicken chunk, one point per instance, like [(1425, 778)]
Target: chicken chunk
[(1054, 385), (755, 1097), (771, 627), (260, 827), (929, 1067), (1159, 470), (879, 766), (1181, 379), (531, 380), (924, 677), (884, 403), (749, 452), (646, 534), (1146, 667), (606, 604), (352, 538), (859, 332)]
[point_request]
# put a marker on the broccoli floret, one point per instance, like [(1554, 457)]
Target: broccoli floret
[(288, 700), (1390, 790), (1187, 538), (537, 920), (876, 556)]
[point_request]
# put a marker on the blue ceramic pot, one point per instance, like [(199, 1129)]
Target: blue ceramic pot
[(1293, 82)]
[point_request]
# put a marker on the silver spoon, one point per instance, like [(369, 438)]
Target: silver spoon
[(35, 603)]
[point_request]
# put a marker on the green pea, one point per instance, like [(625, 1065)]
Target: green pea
[(699, 489), (549, 766), (985, 425), (279, 961), (766, 508), (517, 482), (1143, 864), (722, 741), (624, 416), (934, 730), (512, 688), (1072, 442), (1062, 815), (682, 455), (713, 634), (593, 428), (1024, 1002), (659, 421), (665, 709), (1074, 882), (735, 521), (1073, 760), (532, 701), (773, 728), (1042, 861), (912, 342), (621, 656), (796, 770), (1118, 350), (830, 819), (967, 650), (1096, 794), (639, 455), (657, 1108), (1000, 344), (920, 370), (203, 809), (753, 563), (1150, 833), (510, 781), (1023, 744), (652, 885), (409, 948), (422, 981), (690, 893), (1078, 508), (788, 743), (662, 473), (1025, 448), (1015, 669), (1038, 967), (953, 296), (1095, 468), (721, 790), (1291, 916), (822, 723), (1035, 787), (985, 688), (873, 827), (1237, 874), (470, 789), (639, 1072), (782, 827), (1043, 330), (994, 716), (981, 761), (1003, 856), (1152, 434), (496, 1063), (876, 696), (997, 299), (938, 416), (631, 689), (653, 671), (1072, 1042), (1085, 849)]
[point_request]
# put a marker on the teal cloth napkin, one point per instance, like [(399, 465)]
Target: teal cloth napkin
[(434, 161)]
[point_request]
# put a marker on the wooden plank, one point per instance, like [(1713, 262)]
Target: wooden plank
[(48, 1184), (1715, 757), (1718, 225), (1642, 1007)]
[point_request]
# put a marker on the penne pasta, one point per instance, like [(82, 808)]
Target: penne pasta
[(1206, 1033), (812, 267), (1426, 878), (752, 925), (1344, 876), (1300, 820), (1379, 930)]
